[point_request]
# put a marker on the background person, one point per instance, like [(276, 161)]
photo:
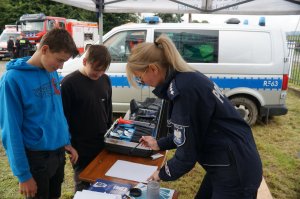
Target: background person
[(17, 45), (204, 126), (35, 133), (86, 95), (10, 46), (24, 47)]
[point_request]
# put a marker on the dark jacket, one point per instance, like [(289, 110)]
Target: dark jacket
[(88, 109), (10, 45), (205, 128), (24, 43)]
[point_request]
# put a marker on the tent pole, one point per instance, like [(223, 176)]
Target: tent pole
[(100, 8)]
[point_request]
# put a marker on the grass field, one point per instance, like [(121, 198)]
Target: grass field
[(278, 143)]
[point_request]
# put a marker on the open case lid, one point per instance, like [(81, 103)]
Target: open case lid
[(144, 119)]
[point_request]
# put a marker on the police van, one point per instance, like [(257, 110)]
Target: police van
[(249, 63)]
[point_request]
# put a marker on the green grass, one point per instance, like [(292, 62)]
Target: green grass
[(278, 143), (295, 73)]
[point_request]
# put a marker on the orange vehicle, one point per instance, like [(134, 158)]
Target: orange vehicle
[(34, 26)]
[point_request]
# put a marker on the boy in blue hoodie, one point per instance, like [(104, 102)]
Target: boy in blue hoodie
[(35, 133)]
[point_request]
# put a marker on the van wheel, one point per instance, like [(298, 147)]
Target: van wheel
[(246, 108)]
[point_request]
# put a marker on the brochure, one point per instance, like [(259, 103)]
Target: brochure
[(106, 186)]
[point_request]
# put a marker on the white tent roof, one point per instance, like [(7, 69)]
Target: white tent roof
[(245, 7)]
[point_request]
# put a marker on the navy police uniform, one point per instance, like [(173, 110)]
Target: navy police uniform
[(206, 128)]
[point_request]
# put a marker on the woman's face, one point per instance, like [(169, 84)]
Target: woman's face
[(152, 75)]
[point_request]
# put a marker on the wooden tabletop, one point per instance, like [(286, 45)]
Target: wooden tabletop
[(106, 159)]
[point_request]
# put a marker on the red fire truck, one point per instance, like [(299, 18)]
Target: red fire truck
[(34, 26)]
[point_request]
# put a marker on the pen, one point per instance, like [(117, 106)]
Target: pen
[(134, 148)]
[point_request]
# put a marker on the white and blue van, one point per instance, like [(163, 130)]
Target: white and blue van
[(248, 63)]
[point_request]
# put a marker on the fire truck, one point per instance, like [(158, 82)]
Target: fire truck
[(34, 26)]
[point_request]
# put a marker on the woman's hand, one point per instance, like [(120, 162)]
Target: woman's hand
[(150, 142), (73, 153), (154, 176)]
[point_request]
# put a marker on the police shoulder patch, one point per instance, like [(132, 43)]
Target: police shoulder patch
[(172, 90), (179, 135)]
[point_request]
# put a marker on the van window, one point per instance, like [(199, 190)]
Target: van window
[(120, 44), (88, 36), (50, 25), (245, 47), (32, 25), (195, 46)]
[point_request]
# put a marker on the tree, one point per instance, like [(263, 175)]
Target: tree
[(5, 15), (11, 10), (170, 18), (111, 20)]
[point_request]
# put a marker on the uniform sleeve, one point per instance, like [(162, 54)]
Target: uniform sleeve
[(191, 108), (183, 160), (166, 143), (11, 119)]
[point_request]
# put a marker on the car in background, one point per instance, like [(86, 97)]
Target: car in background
[(10, 30), (248, 63)]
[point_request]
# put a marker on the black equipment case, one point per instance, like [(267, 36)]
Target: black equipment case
[(146, 118)]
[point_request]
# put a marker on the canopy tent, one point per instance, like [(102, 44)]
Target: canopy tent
[(245, 7)]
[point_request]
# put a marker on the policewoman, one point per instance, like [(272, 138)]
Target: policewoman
[(204, 127)]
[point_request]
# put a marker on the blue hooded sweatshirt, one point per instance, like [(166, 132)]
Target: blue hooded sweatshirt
[(31, 114)]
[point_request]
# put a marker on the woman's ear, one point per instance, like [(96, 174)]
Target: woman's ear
[(84, 61)]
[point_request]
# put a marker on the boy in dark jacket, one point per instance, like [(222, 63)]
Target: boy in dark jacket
[(86, 95)]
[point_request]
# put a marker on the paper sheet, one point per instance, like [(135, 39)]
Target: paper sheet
[(84, 194), (131, 171)]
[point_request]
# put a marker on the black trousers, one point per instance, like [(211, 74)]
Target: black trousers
[(224, 183), (83, 161), (47, 169)]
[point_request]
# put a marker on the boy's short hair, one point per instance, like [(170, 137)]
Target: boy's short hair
[(100, 54), (59, 40)]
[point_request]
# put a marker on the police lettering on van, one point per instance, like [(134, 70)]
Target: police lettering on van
[(246, 62)]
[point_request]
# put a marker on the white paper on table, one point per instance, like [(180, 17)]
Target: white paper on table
[(131, 171), (84, 194)]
